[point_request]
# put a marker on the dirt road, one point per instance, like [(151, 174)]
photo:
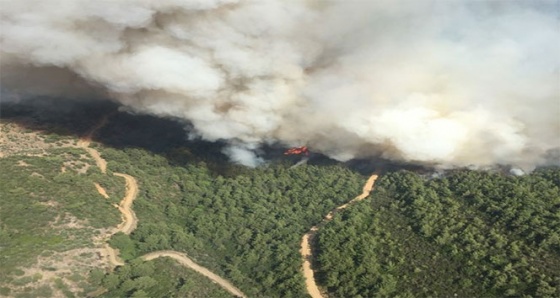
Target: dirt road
[(130, 221), (99, 161), (185, 261), (113, 256), (129, 217), (85, 141), (306, 249), (101, 190)]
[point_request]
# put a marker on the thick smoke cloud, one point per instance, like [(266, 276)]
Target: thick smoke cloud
[(452, 83)]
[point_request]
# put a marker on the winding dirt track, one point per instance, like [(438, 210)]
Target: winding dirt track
[(306, 249), (85, 141), (184, 260), (113, 256), (130, 221)]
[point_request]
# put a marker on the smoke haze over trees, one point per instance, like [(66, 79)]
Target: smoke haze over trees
[(461, 83)]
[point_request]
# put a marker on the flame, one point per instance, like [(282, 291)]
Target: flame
[(297, 150)]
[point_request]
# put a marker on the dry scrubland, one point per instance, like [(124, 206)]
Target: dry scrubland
[(52, 227)]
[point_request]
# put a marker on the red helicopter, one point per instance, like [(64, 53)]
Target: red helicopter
[(297, 150)]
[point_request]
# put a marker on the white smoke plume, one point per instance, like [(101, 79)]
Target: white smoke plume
[(243, 155), (452, 83)]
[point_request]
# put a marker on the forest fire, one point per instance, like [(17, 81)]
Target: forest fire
[(356, 79), (297, 151)]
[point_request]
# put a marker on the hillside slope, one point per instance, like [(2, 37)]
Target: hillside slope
[(53, 219), (468, 233)]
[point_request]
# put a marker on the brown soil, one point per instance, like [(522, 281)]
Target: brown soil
[(130, 221), (306, 249), (16, 139), (101, 190), (85, 141), (66, 266), (113, 255), (100, 162)]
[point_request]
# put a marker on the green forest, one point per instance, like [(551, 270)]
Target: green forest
[(246, 227), (468, 233), (161, 277)]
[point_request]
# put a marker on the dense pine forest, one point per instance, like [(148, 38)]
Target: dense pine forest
[(246, 227), (469, 233)]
